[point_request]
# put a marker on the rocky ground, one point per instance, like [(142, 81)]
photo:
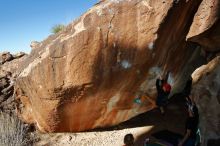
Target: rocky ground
[(141, 127)]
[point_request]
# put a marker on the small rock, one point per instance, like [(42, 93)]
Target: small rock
[(5, 56), (70, 138), (3, 83), (18, 55), (2, 98), (34, 44)]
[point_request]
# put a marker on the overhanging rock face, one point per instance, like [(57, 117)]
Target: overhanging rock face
[(88, 75), (206, 91)]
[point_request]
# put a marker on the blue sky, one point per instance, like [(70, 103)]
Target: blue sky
[(23, 21)]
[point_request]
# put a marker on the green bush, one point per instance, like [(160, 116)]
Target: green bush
[(57, 28)]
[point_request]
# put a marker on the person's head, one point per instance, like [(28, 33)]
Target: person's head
[(166, 87), (129, 140)]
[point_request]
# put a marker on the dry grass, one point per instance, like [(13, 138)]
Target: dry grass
[(12, 131)]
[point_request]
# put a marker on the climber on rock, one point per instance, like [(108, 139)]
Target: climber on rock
[(163, 91), (186, 93), (192, 136)]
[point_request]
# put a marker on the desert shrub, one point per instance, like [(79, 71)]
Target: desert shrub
[(57, 28), (13, 132)]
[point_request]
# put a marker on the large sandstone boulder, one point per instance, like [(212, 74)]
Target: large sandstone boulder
[(206, 91), (205, 28), (88, 75)]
